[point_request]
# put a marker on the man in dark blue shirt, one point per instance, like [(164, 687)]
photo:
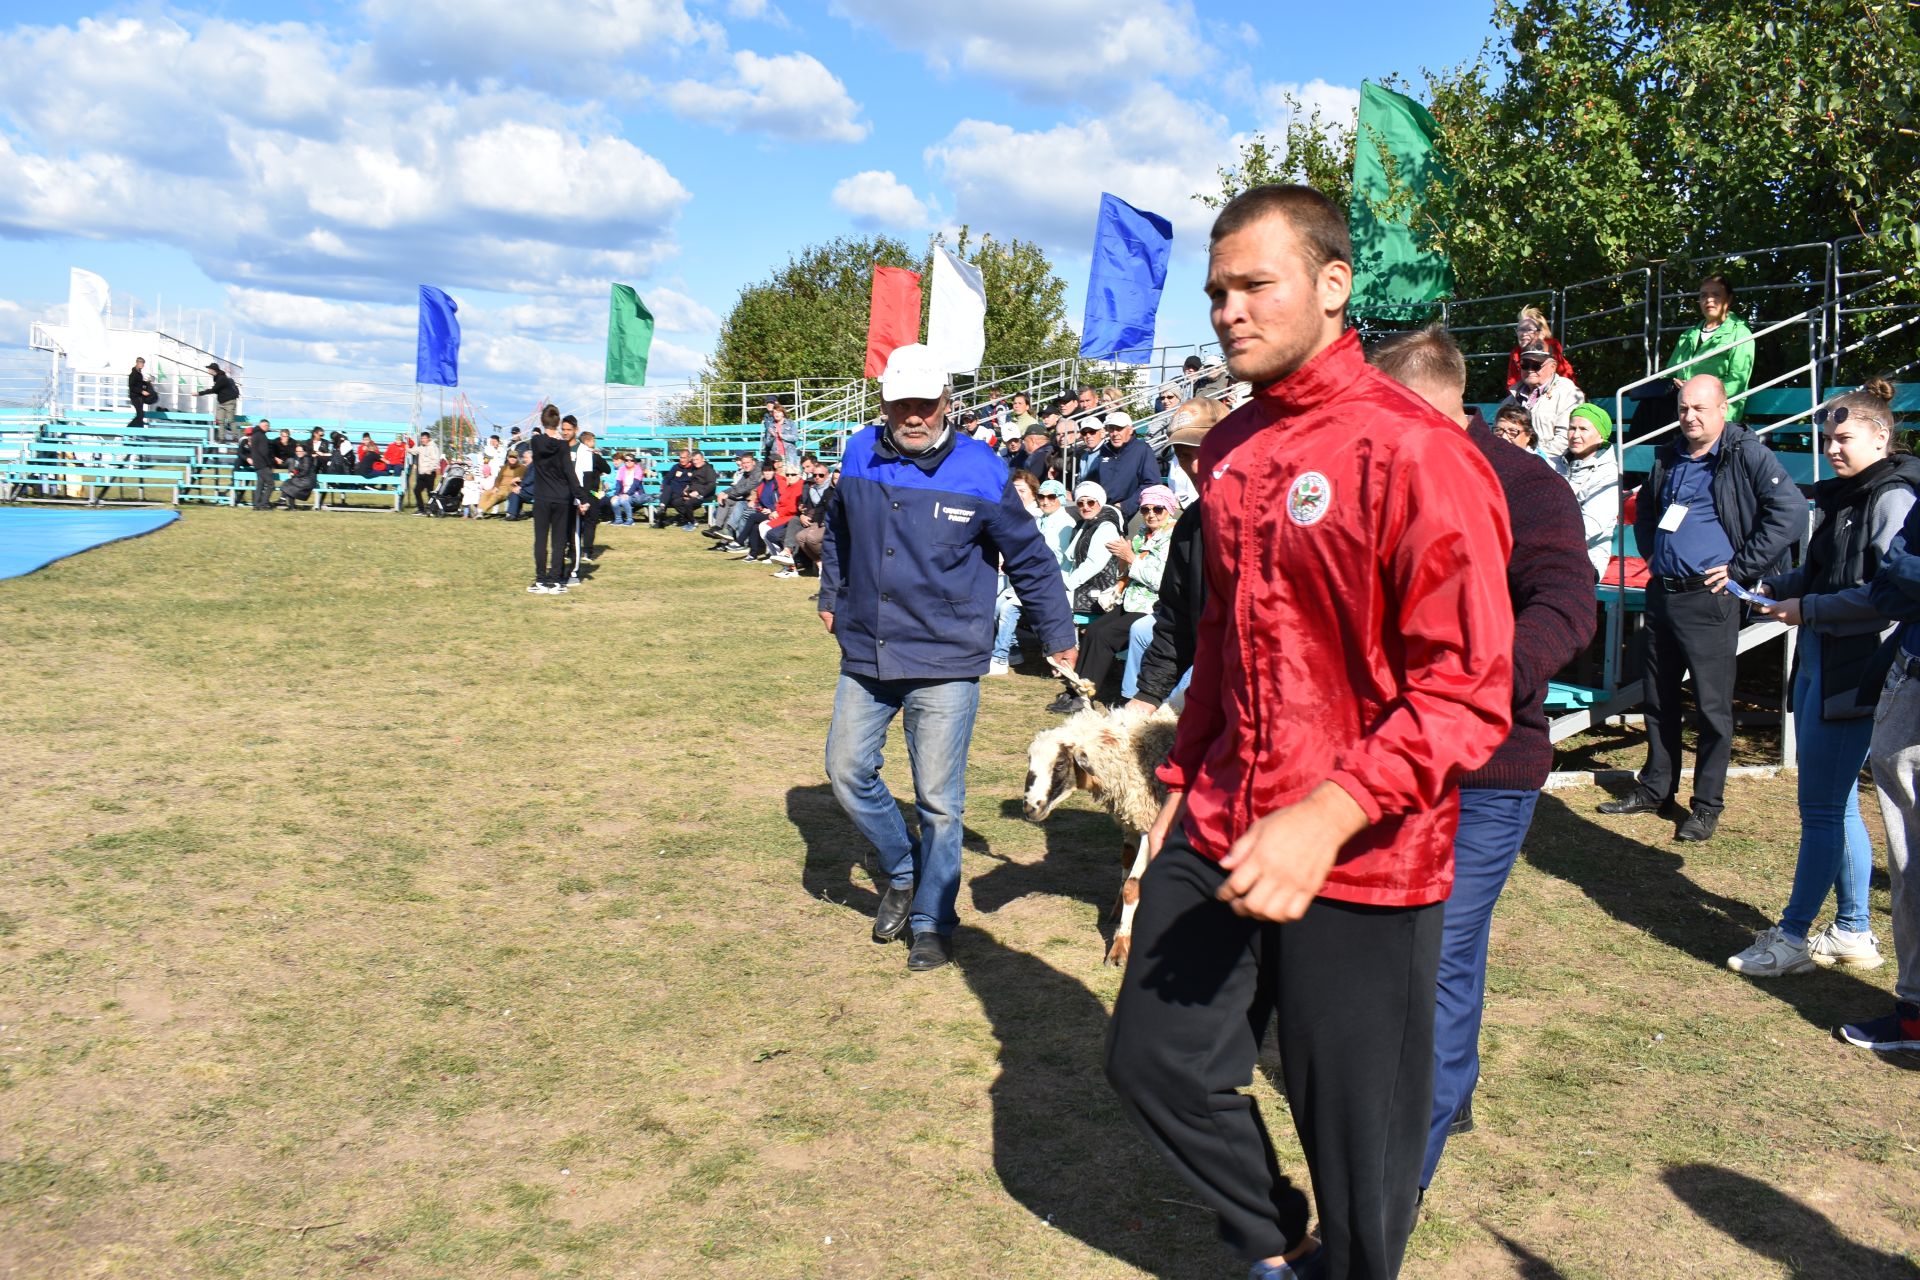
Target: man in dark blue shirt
[(1717, 506)]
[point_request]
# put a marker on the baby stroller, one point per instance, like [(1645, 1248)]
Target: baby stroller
[(446, 499)]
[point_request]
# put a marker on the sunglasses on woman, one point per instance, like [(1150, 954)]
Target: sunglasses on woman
[(1146, 510)]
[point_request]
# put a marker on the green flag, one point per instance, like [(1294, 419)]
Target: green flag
[(629, 336), (1391, 272)]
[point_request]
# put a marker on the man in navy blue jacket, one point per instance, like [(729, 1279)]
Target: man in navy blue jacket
[(909, 571), (1124, 466)]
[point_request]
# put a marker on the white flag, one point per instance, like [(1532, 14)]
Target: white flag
[(86, 344), (957, 315)]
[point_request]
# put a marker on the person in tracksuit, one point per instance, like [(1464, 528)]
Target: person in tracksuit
[(922, 518)]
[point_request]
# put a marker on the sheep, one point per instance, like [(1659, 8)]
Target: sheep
[(1112, 756)]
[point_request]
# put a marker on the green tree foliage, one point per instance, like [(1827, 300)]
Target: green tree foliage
[(1599, 134), (1314, 150), (809, 319)]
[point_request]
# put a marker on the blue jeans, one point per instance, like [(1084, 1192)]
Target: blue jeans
[(515, 501), (1138, 641), (1009, 606), (1493, 825), (1835, 853), (622, 508), (939, 723)]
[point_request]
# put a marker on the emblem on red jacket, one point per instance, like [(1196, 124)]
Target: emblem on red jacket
[(1309, 498)]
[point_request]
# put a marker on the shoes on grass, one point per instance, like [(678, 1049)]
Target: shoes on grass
[(1311, 1267), (930, 951), (997, 667), (1697, 827), (1834, 946), (1897, 1032), (788, 572), (1641, 800), (1775, 953), (782, 557)]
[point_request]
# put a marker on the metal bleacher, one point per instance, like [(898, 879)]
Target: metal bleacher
[(1819, 324)]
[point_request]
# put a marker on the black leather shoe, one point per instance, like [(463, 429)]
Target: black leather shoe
[(1640, 800), (892, 916), (930, 951), (1462, 1121), (1698, 826)]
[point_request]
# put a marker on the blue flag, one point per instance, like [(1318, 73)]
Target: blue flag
[(1130, 252), (438, 361)]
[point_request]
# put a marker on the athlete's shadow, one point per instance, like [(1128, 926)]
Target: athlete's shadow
[(1082, 861), (840, 865), (1061, 1146), (1775, 1225), (1647, 886)]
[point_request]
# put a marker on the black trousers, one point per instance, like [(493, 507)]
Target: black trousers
[(1353, 991), (551, 531), (1105, 639), (423, 483), (263, 488), (587, 525), (1696, 631)]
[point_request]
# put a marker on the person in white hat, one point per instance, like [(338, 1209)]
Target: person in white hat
[(908, 575)]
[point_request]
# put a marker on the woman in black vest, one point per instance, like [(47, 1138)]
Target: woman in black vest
[(1858, 512)]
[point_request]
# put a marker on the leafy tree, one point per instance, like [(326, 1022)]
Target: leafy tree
[(1600, 134), (809, 319), (1314, 150)]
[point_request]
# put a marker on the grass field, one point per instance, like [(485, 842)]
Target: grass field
[(363, 915)]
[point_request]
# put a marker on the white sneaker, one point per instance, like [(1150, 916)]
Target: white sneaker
[(1774, 954), (538, 588), (995, 667), (556, 591), (788, 573), (782, 557), (1836, 946)]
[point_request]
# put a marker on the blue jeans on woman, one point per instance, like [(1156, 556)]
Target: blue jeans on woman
[(1008, 605), (938, 716), (622, 508), (1836, 855)]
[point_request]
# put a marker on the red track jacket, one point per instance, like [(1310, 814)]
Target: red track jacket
[(1357, 627)]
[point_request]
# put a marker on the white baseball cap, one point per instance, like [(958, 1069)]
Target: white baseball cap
[(913, 373)]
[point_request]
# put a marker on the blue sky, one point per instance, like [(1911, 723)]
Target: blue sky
[(297, 168)]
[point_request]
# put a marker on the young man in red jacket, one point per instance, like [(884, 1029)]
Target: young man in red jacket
[(1354, 659)]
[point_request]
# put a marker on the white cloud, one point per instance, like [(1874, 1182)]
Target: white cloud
[(1155, 152), (1337, 104), (675, 312), (1045, 48), (475, 41), (341, 186), (877, 199), (789, 96)]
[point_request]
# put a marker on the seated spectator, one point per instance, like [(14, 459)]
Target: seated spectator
[(626, 487), (300, 482), (733, 510), (1186, 429), (1092, 571), (395, 455), (317, 446), (816, 494), (781, 522), (1513, 423), (1022, 415), (1588, 465), (367, 461), (1203, 380), (1143, 558), (1124, 465), (1090, 437), (766, 501), (1006, 605), (494, 453), (1035, 454), (283, 448), (1530, 333), (519, 470), (687, 488), (985, 428), (1168, 399), (1549, 399)]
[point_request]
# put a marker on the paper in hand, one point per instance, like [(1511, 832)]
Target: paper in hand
[(1739, 592)]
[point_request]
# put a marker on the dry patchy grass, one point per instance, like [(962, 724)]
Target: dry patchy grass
[(348, 888)]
